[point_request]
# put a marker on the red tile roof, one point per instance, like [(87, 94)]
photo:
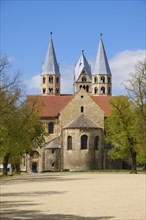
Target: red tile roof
[(52, 105), (104, 103)]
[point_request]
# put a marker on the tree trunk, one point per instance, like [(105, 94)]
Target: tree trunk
[(5, 164), (134, 163), (17, 166)]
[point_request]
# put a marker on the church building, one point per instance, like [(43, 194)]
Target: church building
[(74, 123)]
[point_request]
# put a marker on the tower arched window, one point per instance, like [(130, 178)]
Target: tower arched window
[(95, 79), (57, 80), (109, 90), (50, 79), (96, 143), (50, 90), (109, 79), (84, 142), (87, 88), (44, 90), (51, 127), (57, 90), (84, 87), (103, 90), (102, 79), (69, 143), (84, 79), (95, 90), (44, 80)]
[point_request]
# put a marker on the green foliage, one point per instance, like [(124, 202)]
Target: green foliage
[(119, 128), (20, 127)]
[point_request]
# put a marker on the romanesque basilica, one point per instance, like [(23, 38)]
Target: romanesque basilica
[(74, 123)]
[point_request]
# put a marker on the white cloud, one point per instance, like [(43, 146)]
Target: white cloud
[(67, 79), (34, 82), (121, 65)]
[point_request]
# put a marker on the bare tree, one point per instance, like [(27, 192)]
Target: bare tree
[(136, 89)]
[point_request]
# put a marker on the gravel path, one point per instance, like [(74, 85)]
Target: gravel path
[(74, 196)]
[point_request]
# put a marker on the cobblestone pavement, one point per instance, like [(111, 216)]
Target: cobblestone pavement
[(74, 196)]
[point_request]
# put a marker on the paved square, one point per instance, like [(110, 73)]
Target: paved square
[(74, 196)]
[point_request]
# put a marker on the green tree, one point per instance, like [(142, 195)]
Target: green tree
[(20, 127), (121, 131)]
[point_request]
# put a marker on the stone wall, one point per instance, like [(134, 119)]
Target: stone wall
[(52, 160), (73, 109), (77, 159)]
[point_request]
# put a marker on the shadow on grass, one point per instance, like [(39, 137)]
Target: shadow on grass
[(37, 178), (36, 215), (33, 193)]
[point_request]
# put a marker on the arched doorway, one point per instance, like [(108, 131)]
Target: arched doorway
[(34, 161)]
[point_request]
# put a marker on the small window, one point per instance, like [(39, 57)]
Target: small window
[(95, 90), (50, 90), (109, 90), (96, 143), (103, 90), (82, 96), (82, 108), (53, 164), (84, 140), (102, 79), (44, 80), (87, 88), (51, 127), (95, 79), (84, 79), (57, 90), (50, 79), (44, 91), (69, 143), (109, 79), (53, 151), (57, 80)]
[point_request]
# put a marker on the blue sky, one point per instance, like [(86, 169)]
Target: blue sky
[(76, 25)]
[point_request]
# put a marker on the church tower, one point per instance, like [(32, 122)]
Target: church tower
[(50, 77), (101, 77), (82, 76)]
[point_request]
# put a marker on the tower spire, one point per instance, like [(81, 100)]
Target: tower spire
[(50, 77), (101, 77), (81, 64), (50, 65), (101, 63)]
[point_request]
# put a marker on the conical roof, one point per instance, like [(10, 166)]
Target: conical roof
[(82, 121), (50, 65), (101, 63), (81, 64)]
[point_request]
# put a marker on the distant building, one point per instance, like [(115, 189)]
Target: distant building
[(74, 123)]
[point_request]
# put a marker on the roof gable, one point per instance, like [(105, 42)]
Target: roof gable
[(82, 121)]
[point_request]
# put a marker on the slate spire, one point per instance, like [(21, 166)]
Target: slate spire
[(81, 64), (50, 65), (101, 63)]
